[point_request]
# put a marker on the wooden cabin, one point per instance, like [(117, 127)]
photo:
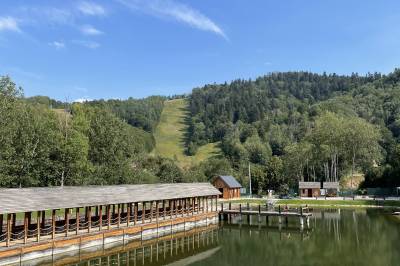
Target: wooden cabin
[(331, 188), (309, 189), (228, 186)]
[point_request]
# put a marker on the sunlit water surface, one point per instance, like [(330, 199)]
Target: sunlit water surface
[(333, 237)]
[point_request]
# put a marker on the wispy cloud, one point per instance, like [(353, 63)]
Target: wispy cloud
[(57, 44), (177, 11), (9, 24), (90, 30), (82, 100), (91, 9), (87, 44)]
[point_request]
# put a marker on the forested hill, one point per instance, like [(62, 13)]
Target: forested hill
[(300, 125), (289, 126)]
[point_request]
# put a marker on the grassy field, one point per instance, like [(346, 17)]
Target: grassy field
[(170, 136), (326, 203)]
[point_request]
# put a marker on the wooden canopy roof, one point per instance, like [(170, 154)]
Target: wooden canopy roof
[(15, 200), (309, 185)]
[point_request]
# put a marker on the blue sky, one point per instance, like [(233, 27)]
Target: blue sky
[(121, 48)]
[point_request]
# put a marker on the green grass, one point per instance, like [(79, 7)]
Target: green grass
[(325, 203), (170, 136)]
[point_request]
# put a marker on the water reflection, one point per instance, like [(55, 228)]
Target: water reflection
[(333, 237)]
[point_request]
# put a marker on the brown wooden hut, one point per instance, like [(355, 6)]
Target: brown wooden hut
[(228, 186), (309, 189), (331, 188)]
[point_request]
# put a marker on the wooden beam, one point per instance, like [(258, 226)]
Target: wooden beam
[(77, 220), (135, 211), (143, 211), (43, 219), (66, 221), (38, 226), (206, 204), (157, 211), (25, 227), (151, 211), (9, 228), (100, 217), (128, 213), (53, 224), (108, 217), (164, 210), (89, 217), (119, 215), (1, 223), (170, 208)]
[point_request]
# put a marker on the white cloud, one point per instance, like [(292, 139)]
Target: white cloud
[(87, 44), (9, 23), (57, 45), (91, 9), (82, 100), (177, 11), (90, 30)]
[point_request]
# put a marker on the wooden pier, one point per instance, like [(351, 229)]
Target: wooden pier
[(302, 213)]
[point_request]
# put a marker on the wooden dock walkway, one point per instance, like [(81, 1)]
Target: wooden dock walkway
[(302, 213)]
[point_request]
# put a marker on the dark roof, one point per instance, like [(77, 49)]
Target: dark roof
[(230, 181), (15, 200), (309, 185)]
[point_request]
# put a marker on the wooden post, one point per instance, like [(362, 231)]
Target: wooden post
[(100, 217), (157, 211), (1, 224), (143, 211), (170, 208), (207, 204), (216, 203), (211, 203), (66, 220), (128, 213), (53, 224), (89, 215), (9, 217), (164, 210), (38, 225), (119, 215), (77, 220), (108, 217), (151, 211), (26, 228), (135, 213)]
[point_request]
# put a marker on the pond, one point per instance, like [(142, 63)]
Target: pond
[(333, 237)]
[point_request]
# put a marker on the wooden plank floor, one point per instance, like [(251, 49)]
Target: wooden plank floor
[(266, 213)]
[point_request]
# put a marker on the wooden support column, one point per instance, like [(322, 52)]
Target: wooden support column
[(216, 203), (118, 215), (206, 204), (164, 210), (128, 213), (89, 216), (170, 208), (143, 211), (38, 225), (211, 204), (1, 223), (25, 227), (14, 220), (192, 203), (151, 211), (77, 220), (100, 217), (135, 211), (66, 220), (182, 208), (53, 224), (9, 222), (108, 217), (157, 211)]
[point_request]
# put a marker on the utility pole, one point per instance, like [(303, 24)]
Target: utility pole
[(250, 180)]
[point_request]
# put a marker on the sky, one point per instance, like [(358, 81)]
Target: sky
[(74, 50)]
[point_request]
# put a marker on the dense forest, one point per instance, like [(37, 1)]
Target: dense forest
[(288, 126)]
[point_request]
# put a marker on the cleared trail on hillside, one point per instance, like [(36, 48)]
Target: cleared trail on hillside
[(170, 136)]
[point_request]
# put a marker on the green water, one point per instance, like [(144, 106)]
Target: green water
[(333, 237)]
